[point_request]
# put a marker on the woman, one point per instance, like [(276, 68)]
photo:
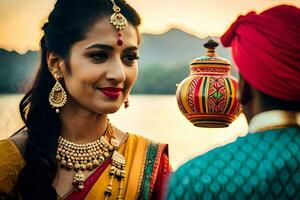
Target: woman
[(67, 148)]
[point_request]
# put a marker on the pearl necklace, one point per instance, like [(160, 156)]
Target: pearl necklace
[(81, 157)]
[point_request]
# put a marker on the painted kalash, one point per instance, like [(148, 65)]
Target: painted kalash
[(207, 98)]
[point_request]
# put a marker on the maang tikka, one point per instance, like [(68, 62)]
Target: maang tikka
[(57, 96), (118, 21)]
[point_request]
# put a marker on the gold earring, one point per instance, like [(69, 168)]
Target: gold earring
[(126, 102), (57, 96)]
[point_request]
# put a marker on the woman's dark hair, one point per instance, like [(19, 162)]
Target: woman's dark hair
[(67, 24)]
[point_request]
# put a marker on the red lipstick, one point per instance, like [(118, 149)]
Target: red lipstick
[(111, 92)]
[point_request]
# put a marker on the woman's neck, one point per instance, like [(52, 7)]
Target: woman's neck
[(82, 126)]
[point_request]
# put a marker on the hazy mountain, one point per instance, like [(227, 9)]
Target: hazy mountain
[(170, 52), (16, 69), (173, 48)]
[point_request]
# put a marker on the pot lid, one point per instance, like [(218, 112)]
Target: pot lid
[(211, 57)]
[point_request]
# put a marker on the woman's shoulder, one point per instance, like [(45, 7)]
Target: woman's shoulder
[(150, 160), (137, 137), (19, 140), (9, 152), (147, 144), (11, 161)]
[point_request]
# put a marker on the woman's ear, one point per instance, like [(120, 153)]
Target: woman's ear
[(245, 91), (55, 64)]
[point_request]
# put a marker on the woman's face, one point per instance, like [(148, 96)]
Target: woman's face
[(102, 72)]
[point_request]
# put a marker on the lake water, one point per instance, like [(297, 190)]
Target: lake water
[(154, 116)]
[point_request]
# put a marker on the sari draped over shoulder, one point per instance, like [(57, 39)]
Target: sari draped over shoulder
[(11, 163), (147, 169)]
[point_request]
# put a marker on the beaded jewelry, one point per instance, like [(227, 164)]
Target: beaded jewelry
[(118, 21), (117, 170), (57, 96), (81, 157)]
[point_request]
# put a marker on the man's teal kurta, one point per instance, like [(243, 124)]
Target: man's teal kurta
[(263, 165)]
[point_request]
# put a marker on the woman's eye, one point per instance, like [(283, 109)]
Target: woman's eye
[(130, 58), (99, 56)]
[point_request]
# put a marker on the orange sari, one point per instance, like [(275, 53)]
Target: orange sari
[(147, 170)]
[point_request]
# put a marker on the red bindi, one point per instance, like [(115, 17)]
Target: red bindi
[(120, 41)]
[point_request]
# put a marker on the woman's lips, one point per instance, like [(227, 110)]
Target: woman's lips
[(111, 92)]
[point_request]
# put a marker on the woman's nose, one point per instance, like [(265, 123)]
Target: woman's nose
[(116, 71)]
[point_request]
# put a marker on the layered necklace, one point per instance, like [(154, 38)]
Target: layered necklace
[(81, 157)]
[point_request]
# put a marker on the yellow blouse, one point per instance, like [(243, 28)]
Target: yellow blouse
[(11, 163)]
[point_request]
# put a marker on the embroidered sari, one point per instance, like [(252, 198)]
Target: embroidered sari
[(147, 169)]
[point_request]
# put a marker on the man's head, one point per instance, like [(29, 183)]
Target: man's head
[(266, 50)]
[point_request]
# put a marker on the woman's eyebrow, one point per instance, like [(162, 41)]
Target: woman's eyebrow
[(110, 48), (101, 46), (133, 48)]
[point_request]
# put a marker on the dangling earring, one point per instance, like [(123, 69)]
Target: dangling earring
[(57, 96), (126, 102)]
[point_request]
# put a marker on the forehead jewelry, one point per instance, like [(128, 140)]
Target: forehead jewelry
[(118, 21)]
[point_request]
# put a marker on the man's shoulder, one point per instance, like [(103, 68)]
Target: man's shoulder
[(217, 155), (214, 171), (239, 168)]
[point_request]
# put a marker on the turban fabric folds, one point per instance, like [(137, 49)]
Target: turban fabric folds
[(266, 50)]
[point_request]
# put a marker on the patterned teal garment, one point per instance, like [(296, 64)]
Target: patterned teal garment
[(263, 165)]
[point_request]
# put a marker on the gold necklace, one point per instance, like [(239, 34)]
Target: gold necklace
[(81, 157)]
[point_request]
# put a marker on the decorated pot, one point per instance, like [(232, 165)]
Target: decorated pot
[(207, 98)]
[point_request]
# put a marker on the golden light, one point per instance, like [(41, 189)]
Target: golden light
[(21, 20)]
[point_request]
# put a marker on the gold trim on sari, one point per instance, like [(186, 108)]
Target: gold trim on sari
[(140, 154)]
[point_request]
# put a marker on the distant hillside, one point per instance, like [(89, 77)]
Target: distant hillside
[(174, 47), (16, 69), (164, 61)]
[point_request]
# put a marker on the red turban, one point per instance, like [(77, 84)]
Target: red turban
[(266, 50)]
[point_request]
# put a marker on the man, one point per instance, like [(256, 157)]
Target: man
[(265, 164)]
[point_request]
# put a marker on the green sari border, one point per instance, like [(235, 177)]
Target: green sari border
[(148, 170)]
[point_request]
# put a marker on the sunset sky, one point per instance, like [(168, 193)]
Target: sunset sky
[(21, 20)]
